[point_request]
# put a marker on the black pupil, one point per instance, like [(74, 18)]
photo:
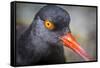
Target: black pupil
[(48, 23)]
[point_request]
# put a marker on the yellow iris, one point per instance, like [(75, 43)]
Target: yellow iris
[(49, 25)]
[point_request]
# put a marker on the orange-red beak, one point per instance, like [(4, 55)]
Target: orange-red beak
[(69, 41)]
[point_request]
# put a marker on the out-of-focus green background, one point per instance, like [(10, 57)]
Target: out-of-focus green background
[(82, 25)]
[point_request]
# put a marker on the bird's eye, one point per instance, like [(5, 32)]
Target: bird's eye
[(49, 25)]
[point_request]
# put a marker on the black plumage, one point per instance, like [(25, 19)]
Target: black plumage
[(38, 45)]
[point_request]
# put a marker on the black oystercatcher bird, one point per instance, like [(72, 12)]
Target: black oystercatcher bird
[(42, 42)]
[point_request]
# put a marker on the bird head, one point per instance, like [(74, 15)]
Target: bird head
[(52, 26), (52, 22)]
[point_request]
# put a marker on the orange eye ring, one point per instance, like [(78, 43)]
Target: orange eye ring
[(49, 25)]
